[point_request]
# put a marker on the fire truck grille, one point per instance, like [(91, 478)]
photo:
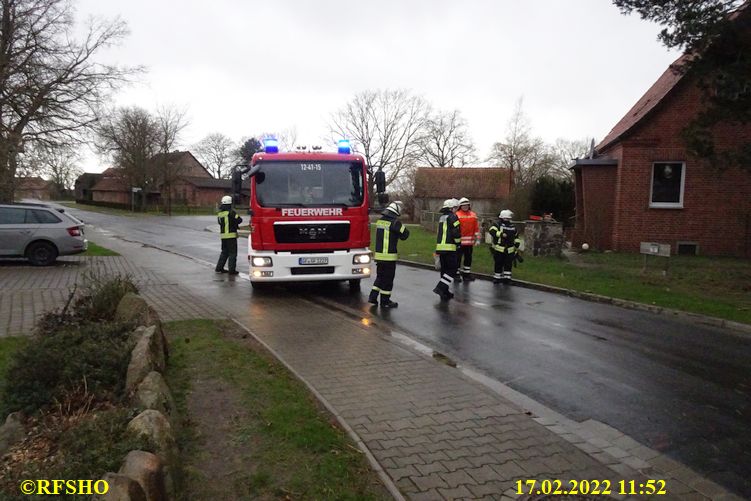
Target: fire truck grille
[(313, 270), (311, 232)]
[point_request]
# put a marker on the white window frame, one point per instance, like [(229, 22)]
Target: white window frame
[(666, 205)]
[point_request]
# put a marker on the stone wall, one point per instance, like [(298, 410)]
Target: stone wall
[(543, 238)]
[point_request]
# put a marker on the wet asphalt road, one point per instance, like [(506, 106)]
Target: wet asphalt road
[(680, 388)]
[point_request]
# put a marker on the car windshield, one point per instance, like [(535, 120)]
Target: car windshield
[(310, 183)]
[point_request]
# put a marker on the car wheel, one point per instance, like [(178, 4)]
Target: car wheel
[(41, 253)]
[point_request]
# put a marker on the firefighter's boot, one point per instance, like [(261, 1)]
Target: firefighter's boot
[(373, 298), (386, 302)]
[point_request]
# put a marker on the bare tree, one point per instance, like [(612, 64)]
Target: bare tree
[(386, 127), (564, 152), (50, 83), (131, 137), (245, 151), (286, 138), (56, 163), (217, 153), (170, 122), (446, 142), (527, 157)]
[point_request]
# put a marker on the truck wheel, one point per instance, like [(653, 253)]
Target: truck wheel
[(41, 253), (354, 284)]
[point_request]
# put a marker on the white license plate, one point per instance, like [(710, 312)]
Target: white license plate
[(314, 260)]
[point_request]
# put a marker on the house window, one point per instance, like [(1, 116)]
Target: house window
[(668, 179), (687, 249)]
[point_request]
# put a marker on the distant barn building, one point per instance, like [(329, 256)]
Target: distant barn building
[(487, 188), (33, 187)]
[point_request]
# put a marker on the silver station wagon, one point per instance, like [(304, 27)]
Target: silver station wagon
[(39, 233)]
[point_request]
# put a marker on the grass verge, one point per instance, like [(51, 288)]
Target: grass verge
[(98, 250), (283, 445), (9, 346), (718, 287)]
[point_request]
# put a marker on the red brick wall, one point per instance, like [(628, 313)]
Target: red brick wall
[(716, 209), (184, 193), (117, 197), (595, 202)]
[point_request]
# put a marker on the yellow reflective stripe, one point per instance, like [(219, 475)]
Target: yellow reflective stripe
[(385, 256), (402, 228), (457, 223), (385, 293), (445, 247)]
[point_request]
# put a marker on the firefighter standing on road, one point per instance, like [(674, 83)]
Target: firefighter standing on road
[(447, 242), (505, 246), (228, 223), (470, 228), (389, 230)]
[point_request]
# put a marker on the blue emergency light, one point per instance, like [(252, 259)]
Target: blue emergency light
[(344, 147), (271, 145)]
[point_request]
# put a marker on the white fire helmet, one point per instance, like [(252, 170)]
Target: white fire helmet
[(463, 201), (395, 207), (226, 199), (450, 203), (506, 214)]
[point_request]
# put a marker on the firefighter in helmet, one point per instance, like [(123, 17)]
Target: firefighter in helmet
[(470, 228), (389, 230), (447, 241), (505, 246), (228, 223)]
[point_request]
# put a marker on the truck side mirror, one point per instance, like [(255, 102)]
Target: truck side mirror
[(237, 186), (380, 181)]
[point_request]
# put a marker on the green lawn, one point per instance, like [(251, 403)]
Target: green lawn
[(281, 443), (97, 250), (719, 287)]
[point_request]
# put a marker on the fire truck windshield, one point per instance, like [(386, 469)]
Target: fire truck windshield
[(309, 183)]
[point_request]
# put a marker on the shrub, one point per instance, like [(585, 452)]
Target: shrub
[(48, 369), (96, 302)]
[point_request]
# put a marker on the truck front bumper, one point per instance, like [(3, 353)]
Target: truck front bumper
[(294, 267)]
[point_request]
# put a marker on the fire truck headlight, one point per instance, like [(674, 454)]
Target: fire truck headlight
[(361, 259), (261, 261)]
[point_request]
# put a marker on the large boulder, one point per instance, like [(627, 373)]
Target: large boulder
[(147, 356), (153, 393), (121, 488), (155, 427), (133, 309), (11, 432), (146, 469)]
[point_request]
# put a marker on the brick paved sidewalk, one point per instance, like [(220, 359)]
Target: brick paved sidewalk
[(27, 292), (440, 435)]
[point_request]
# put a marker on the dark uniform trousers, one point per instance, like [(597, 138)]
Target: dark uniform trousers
[(449, 267), (229, 252), (504, 262), (465, 254), (384, 282)]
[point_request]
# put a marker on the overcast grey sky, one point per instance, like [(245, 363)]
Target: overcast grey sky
[(243, 67)]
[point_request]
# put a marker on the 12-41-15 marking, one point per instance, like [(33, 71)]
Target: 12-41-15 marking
[(592, 487)]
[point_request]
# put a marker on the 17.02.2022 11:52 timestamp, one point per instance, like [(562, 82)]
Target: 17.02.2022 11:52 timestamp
[(591, 487)]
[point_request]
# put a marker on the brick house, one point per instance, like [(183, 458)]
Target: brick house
[(487, 188), (640, 185), (33, 187), (191, 184)]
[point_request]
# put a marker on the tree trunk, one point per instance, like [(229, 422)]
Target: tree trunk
[(7, 173)]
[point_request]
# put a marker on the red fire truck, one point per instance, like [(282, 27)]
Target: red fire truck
[(309, 215)]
